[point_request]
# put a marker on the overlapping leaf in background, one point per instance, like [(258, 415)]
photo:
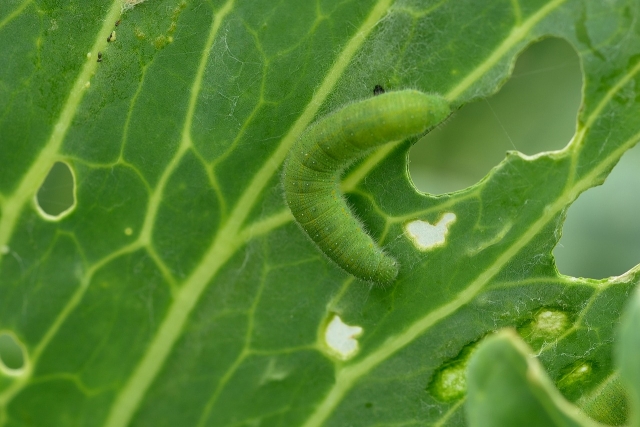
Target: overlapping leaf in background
[(178, 291)]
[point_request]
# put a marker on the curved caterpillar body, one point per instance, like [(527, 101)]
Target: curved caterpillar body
[(313, 167)]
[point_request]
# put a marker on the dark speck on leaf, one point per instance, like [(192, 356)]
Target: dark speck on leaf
[(378, 90)]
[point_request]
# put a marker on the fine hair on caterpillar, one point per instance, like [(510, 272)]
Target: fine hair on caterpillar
[(315, 163)]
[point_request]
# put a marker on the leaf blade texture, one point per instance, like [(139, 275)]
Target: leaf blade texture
[(179, 291)]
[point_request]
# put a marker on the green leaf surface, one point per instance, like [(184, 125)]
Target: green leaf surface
[(508, 387), (178, 290), (628, 348)]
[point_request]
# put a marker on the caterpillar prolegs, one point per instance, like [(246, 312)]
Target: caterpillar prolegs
[(315, 163)]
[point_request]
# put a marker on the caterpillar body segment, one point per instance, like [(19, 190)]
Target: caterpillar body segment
[(313, 168)]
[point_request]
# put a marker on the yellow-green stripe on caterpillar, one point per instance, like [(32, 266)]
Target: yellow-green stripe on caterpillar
[(315, 163)]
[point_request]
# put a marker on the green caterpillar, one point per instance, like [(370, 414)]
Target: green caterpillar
[(315, 163)]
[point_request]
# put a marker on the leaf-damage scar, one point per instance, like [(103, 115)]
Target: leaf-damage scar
[(316, 161)]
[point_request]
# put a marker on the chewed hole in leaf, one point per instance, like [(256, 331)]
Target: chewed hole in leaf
[(449, 381), (576, 374), (601, 232), (534, 111), (340, 338), (11, 354), (56, 196), (129, 4), (546, 325), (550, 323), (427, 236)]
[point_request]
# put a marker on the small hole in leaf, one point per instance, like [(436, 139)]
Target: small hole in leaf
[(534, 111), (601, 232), (575, 377), (449, 381), (56, 196), (341, 339), (545, 326), (11, 353)]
